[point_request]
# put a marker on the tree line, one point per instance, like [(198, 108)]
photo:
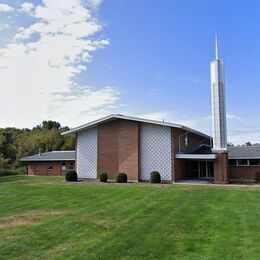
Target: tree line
[(16, 143)]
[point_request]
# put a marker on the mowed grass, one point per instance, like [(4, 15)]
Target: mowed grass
[(42, 218)]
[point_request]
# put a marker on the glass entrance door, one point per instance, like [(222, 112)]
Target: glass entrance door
[(205, 169)]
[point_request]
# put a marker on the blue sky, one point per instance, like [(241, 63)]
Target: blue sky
[(148, 58)]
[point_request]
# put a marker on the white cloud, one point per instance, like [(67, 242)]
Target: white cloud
[(95, 3), (27, 7), (240, 130), (4, 26), (159, 116), (38, 74), (6, 8)]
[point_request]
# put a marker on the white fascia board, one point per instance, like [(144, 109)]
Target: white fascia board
[(85, 126), (45, 160), (196, 156), (241, 157), (142, 120)]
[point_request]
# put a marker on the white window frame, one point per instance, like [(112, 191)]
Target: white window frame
[(62, 165)]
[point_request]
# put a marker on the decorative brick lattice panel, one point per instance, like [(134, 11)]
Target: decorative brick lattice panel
[(155, 149), (87, 154)]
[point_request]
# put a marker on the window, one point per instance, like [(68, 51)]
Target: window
[(242, 162), (186, 140), (63, 166), (50, 167), (254, 162), (71, 166), (232, 162), (37, 167)]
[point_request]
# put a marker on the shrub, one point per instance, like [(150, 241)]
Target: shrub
[(155, 177), (71, 176), (257, 176), (103, 177), (10, 171), (121, 177)]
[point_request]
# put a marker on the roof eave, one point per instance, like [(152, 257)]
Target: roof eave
[(243, 157), (196, 156), (45, 160), (112, 117)]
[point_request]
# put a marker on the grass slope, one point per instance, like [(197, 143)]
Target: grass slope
[(53, 221)]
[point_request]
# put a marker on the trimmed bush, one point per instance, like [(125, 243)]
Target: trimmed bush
[(103, 177), (71, 176), (155, 177), (121, 177), (257, 176)]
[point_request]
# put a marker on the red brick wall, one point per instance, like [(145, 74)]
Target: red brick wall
[(128, 149), (243, 172), (41, 168), (118, 151), (107, 158), (76, 152), (221, 168), (30, 169)]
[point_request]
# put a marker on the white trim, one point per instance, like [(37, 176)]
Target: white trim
[(118, 116), (45, 160), (196, 156), (244, 165), (241, 158)]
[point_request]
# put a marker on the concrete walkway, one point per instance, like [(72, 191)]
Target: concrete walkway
[(195, 181), (210, 183)]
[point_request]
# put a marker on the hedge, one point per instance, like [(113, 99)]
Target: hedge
[(155, 177), (103, 177), (71, 176), (257, 176), (121, 177), (8, 172)]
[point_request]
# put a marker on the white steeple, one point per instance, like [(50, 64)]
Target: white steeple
[(216, 46), (218, 102)]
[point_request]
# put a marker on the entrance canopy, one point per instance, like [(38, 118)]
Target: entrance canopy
[(196, 156), (203, 153), (199, 164)]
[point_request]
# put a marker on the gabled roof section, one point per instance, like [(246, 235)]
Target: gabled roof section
[(204, 149), (244, 152), (204, 152), (50, 156), (142, 120)]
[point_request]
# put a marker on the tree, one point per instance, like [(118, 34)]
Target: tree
[(247, 144), (16, 143), (49, 124)]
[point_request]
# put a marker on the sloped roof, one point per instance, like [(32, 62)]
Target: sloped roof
[(244, 152), (234, 152), (51, 156), (118, 116), (204, 149)]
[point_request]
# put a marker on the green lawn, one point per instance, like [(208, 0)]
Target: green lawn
[(41, 219)]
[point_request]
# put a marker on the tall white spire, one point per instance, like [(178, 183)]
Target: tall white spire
[(218, 102), (216, 46)]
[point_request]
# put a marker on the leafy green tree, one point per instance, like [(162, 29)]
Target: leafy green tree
[(16, 143)]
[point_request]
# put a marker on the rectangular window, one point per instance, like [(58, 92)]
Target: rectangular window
[(63, 166), (242, 162), (254, 162), (50, 167), (37, 167), (232, 162), (71, 166)]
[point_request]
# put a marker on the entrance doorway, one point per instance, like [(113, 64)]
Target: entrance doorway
[(206, 169), (201, 169)]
